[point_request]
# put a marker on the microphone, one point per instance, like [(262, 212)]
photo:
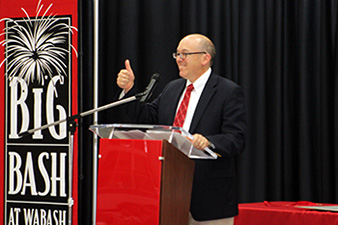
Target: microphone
[(144, 96)]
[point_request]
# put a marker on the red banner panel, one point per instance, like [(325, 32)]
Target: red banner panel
[(38, 67)]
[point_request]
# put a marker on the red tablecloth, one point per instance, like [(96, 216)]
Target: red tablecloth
[(283, 213)]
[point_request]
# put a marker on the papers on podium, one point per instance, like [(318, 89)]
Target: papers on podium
[(330, 208)]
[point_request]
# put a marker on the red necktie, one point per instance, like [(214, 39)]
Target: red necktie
[(182, 111)]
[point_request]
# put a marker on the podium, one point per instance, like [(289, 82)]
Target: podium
[(145, 174)]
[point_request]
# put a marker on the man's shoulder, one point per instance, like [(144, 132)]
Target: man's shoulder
[(177, 83), (222, 81)]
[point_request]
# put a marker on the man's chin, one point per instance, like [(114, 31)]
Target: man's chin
[(183, 75)]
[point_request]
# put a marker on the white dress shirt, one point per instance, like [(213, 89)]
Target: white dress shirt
[(199, 85)]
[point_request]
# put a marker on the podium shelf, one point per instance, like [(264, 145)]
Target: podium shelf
[(177, 136)]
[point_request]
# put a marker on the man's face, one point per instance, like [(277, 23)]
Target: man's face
[(191, 67)]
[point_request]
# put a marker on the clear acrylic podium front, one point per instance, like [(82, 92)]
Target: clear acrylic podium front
[(177, 136), (145, 174)]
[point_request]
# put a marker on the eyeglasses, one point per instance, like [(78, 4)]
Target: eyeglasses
[(184, 55)]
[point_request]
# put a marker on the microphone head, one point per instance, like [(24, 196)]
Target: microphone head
[(156, 76), (150, 88)]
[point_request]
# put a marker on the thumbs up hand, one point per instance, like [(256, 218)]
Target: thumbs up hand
[(125, 78)]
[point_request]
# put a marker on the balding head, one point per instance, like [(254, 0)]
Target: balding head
[(204, 44)]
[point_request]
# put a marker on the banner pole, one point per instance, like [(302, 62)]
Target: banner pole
[(95, 104)]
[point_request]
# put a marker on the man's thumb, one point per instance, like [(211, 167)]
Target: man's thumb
[(128, 66)]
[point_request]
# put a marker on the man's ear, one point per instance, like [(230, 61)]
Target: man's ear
[(206, 59)]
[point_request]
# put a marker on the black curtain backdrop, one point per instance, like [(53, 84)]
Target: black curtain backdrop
[(284, 55)]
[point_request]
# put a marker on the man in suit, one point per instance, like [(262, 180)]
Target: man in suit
[(216, 115)]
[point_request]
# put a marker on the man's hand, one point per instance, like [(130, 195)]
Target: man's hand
[(199, 141), (125, 78)]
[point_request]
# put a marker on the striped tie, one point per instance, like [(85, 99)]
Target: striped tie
[(182, 111)]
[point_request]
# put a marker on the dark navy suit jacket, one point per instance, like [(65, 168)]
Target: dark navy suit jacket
[(220, 116)]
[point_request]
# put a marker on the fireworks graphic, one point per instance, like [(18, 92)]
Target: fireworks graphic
[(37, 47)]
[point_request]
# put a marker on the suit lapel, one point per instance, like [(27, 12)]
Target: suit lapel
[(207, 94), (175, 98)]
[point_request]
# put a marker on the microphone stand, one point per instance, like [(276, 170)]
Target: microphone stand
[(83, 114), (72, 129)]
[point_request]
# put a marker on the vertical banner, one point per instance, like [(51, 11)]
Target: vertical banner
[(38, 87)]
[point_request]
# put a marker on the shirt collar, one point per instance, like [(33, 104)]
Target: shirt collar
[(201, 81)]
